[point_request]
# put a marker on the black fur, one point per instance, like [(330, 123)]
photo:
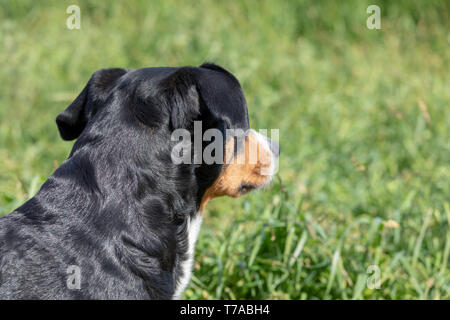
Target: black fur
[(118, 206)]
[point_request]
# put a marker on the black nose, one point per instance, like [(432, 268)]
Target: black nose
[(274, 147)]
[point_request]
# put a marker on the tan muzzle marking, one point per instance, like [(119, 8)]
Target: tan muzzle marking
[(242, 172)]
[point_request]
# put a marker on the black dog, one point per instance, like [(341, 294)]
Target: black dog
[(119, 219)]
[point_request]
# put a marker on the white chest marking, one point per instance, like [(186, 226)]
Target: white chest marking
[(193, 229)]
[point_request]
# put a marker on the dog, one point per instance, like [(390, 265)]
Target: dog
[(119, 219)]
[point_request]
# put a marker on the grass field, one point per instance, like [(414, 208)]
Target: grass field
[(364, 120)]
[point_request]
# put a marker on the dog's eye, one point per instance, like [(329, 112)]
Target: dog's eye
[(246, 187)]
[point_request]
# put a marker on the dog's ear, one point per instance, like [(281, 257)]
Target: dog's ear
[(223, 96), (72, 121)]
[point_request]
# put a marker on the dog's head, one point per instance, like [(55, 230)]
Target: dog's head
[(132, 115)]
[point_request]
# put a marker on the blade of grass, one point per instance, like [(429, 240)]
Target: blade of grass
[(420, 237), (298, 248), (288, 245)]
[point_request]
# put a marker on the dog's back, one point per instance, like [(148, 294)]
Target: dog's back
[(52, 246), (27, 260), (37, 261)]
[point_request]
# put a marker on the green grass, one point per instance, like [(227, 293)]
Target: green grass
[(364, 122)]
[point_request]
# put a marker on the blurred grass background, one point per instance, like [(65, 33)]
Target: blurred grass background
[(364, 122)]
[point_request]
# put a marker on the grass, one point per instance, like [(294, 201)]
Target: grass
[(364, 122)]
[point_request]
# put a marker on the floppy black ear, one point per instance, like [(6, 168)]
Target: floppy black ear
[(72, 121)]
